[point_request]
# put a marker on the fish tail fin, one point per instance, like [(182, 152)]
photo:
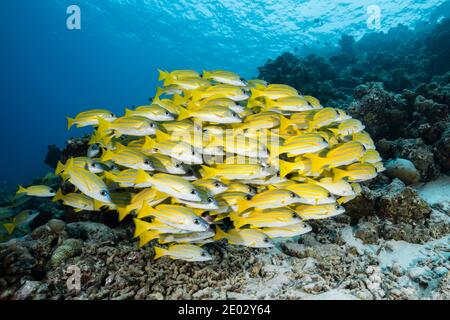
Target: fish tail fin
[(338, 174), (103, 126), (98, 205), (286, 167), (243, 205), (123, 212), (109, 176), (140, 226), (335, 131), (256, 93), (128, 112), (146, 211), (179, 100), (148, 144), (142, 177), (59, 168), (208, 172), (159, 252), (220, 234), (238, 222), (70, 164), (284, 123), (206, 74), (107, 155), (146, 237), (21, 190), (58, 196), (70, 122), (184, 114), (10, 227), (163, 75), (274, 151), (317, 162), (311, 126), (270, 104), (162, 136)]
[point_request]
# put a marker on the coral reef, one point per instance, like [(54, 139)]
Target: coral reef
[(392, 243)]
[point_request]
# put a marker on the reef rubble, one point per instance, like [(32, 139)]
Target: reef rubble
[(399, 253)]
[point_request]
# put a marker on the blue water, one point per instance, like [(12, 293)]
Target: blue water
[(49, 72)]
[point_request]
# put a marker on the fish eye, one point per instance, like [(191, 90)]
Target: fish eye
[(147, 162), (243, 91), (167, 113), (305, 225), (112, 115), (190, 171), (278, 173), (217, 185), (193, 192), (294, 215), (177, 165), (242, 79), (293, 195), (152, 125), (193, 152), (210, 200), (52, 191), (203, 254), (205, 130), (250, 189), (155, 149), (196, 221), (103, 193), (94, 164), (266, 240), (234, 114)]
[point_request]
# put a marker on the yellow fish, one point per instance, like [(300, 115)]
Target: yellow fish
[(177, 74), (309, 212), (356, 172), (290, 231), (78, 201), (226, 77), (343, 154), (176, 216), (309, 193), (40, 191), (152, 112), (151, 196), (131, 126), (220, 90), (87, 182), (348, 127), (244, 237), (213, 186), (187, 252), (235, 171), (279, 217), (215, 114), (129, 158), (90, 118), (174, 186), (270, 199)]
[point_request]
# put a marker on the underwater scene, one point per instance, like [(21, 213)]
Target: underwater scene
[(225, 150)]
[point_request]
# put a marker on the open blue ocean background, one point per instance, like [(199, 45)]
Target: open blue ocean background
[(49, 72)]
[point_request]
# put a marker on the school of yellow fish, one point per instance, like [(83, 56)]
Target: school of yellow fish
[(213, 157)]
